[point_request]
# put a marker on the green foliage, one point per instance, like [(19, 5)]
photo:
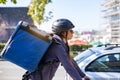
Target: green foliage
[(14, 1), (72, 54), (74, 49), (2, 46), (79, 47), (4, 1), (37, 10)]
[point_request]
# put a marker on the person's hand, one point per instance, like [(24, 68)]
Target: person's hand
[(86, 78)]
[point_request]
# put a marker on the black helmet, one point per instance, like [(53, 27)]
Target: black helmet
[(61, 25)]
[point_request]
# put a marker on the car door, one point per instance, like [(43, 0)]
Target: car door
[(104, 68)]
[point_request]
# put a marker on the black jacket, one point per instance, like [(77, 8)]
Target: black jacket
[(56, 54)]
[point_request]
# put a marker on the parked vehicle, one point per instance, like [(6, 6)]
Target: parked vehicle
[(100, 63)]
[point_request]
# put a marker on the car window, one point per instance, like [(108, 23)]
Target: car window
[(106, 63)]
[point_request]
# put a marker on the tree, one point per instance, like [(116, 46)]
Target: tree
[(4, 1), (36, 9)]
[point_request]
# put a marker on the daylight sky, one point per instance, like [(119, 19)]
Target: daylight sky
[(85, 14)]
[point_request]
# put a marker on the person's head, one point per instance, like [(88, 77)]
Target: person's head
[(63, 28)]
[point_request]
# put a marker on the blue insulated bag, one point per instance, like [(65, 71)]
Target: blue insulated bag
[(26, 46)]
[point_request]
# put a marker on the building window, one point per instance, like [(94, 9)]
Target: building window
[(115, 17)]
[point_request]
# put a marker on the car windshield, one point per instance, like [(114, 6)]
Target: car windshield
[(83, 55)]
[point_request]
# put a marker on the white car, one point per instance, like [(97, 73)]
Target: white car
[(100, 63)]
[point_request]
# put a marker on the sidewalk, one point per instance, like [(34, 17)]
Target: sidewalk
[(10, 71), (60, 74)]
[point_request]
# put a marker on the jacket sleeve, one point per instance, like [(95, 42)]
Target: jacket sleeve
[(65, 61), (77, 68)]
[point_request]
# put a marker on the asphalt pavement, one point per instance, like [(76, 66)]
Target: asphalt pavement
[(10, 71)]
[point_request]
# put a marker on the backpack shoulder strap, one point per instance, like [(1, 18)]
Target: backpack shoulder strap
[(55, 40)]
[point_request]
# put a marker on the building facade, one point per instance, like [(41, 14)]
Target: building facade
[(112, 20), (9, 17)]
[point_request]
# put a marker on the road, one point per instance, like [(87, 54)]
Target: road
[(10, 71)]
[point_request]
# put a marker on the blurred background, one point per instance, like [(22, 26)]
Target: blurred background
[(97, 22)]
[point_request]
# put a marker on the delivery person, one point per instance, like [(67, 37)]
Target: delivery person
[(58, 53)]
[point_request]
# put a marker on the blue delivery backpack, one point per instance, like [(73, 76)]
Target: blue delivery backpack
[(26, 46)]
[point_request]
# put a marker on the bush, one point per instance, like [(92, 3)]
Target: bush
[(74, 49), (1, 46), (79, 47)]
